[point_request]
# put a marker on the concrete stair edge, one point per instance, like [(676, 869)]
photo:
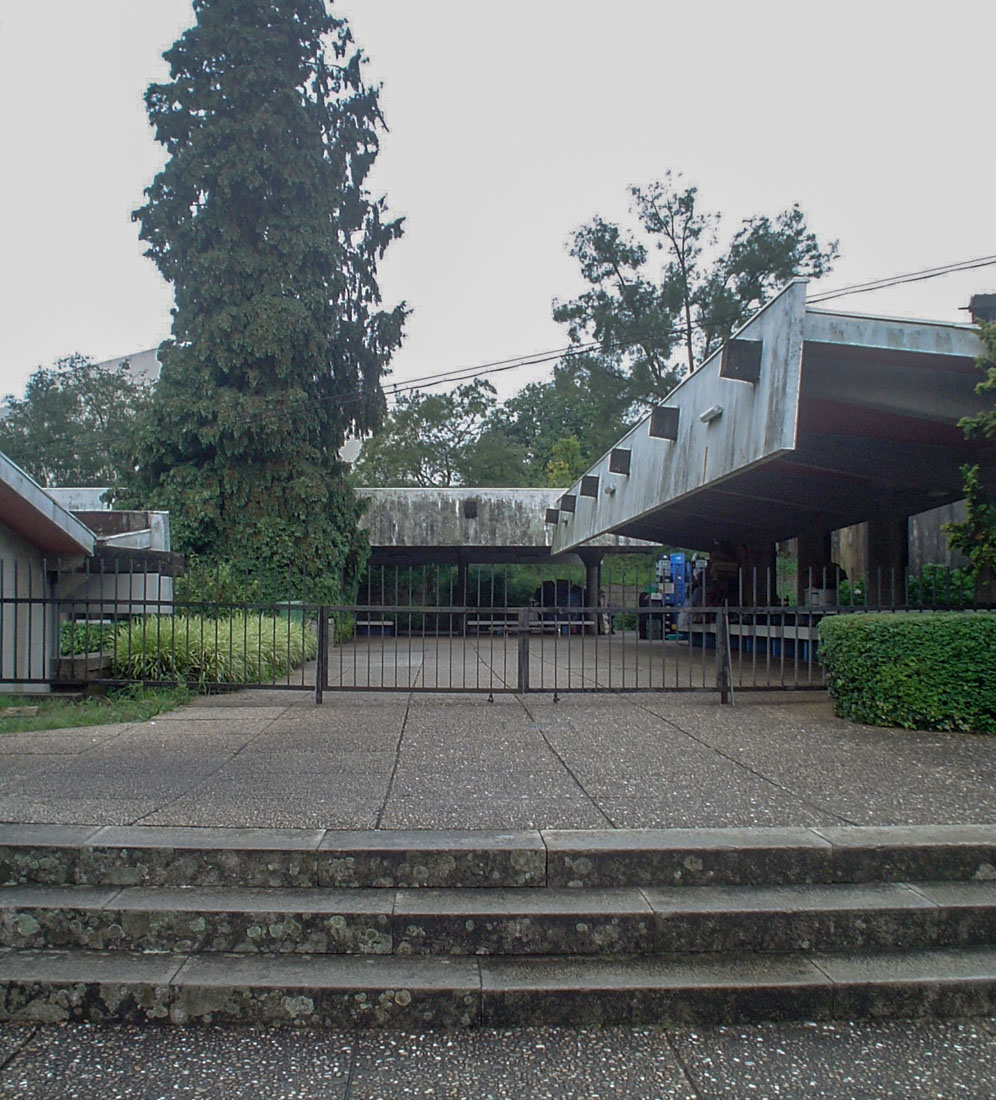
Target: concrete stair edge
[(52, 986)]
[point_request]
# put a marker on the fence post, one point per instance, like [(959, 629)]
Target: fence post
[(724, 677), (322, 668), (523, 680)]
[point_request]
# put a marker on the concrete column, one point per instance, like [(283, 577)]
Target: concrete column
[(813, 556), (592, 560), (888, 555), (759, 574)]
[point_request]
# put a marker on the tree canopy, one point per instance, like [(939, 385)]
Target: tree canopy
[(635, 330), (649, 324), (261, 222), (74, 421), (442, 439)]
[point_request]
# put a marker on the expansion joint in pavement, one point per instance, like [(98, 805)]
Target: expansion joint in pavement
[(563, 763), (749, 770), (397, 762)]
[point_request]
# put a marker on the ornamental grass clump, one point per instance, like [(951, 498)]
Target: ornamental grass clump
[(926, 670), (241, 649)]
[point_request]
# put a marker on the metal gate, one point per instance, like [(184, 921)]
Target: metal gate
[(434, 629)]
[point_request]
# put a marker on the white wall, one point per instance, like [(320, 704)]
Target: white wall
[(28, 631)]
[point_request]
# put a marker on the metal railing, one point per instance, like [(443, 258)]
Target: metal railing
[(433, 630)]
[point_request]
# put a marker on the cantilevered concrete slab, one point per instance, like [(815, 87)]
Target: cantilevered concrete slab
[(806, 422), (478, 525), (32, 514)]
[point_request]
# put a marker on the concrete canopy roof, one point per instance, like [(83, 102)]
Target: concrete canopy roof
[(808, 420), (26, 508)]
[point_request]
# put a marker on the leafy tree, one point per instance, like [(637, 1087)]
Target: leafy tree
[(566, 462), (261, 222), (73, 422), (441, 439), (637, 318), (976, 536), (587, 400)]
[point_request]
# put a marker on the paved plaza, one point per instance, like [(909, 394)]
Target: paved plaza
[(437, 761)]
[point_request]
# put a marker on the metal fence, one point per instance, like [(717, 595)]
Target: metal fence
[(437, 629)]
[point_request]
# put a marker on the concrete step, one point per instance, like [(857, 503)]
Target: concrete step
[(309, 858), (434, 991), (549, 921)]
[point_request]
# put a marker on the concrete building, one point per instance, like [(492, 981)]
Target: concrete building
[(58, 563), (806, 422)]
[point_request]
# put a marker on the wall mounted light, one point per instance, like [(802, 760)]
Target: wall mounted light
[(711, 414)]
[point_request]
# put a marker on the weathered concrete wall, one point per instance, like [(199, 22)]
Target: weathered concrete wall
[(80, 498), (27, 630), (929, 541), (499, 524), (458, 517)]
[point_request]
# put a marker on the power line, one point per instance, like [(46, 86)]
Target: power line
[(463, 374), (909, 277)]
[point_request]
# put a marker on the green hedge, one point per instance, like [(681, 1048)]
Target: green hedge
[(931, 670), (242, 649)]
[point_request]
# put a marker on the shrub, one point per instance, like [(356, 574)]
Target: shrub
[(929, 670), (242, 649), (936, 585), (83, 637)]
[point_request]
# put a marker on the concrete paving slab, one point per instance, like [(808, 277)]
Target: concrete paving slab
[(278, 812), (81, 1061), (329, 764), (21, 768), (835, 1060), (75, 810), (840, 1060), (67, 742), (590, 761), (478, 810), (539, 1063)]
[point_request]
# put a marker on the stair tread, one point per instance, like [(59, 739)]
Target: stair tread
[(492, 901), (490, 972)]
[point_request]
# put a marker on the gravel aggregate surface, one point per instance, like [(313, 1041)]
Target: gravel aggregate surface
[(891, 1060)]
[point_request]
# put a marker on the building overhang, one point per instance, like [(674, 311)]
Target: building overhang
[(28, 510), (807, 419)]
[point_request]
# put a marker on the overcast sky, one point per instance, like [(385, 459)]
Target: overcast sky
[(510, 125)]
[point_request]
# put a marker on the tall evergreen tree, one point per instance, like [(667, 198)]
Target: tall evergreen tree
[(261, 222)]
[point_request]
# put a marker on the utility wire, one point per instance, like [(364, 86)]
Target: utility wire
[(910, 277), (464, 374)]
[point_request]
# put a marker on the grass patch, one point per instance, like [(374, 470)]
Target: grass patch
[(130, 704)]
